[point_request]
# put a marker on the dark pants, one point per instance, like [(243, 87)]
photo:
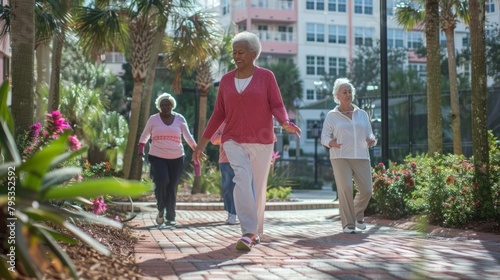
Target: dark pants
[(166, 174)]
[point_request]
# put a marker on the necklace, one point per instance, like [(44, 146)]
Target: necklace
[(244, 81)]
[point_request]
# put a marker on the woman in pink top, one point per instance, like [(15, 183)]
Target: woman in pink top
[(166, 154), (247, 101)]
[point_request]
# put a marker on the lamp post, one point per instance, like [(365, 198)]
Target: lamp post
[(316, 133)]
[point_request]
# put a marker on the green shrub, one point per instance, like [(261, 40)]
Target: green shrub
[(280, 193)]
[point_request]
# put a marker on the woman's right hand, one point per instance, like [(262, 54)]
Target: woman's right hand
[(333, 143)]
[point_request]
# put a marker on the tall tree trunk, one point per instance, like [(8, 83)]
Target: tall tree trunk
[(142, 40), (55, 74), (478, 83), (434, 117), (42, 79), (147, 95), (23, 63), (454, 98), (480, 145)]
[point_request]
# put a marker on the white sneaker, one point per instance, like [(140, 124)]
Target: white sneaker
[(349, 230), (231, 220), (361, 225)]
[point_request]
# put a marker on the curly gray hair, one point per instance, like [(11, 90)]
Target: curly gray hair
[(164, 96), (338, 84), (250, 38)]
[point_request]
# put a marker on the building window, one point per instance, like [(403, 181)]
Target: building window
[(363, 36), (337, 66), (466, 41), (489, 6), (337, 34), (6, 68), (315, 65), (391, 5), (263, 32), (315, 32), (315, 5), (337, 6), (225, 7), (415, 39), (420, 68), (363, 7), (242, 27), (310, 94), (442, 40), (395, 38)]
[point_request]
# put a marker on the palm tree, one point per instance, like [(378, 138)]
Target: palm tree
[(434, 117), (199, 36), (410, 15), (449, 13), (23, 47), (478, 83)]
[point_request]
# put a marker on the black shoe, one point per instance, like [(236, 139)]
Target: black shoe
[(170, 222)]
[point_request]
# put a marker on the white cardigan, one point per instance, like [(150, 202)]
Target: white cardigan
[(352, 134)]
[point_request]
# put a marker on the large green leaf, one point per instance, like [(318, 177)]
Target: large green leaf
[(59, 176), (59, 252), (87, 239), (8, 145), (67, 155), (37, 165), (4, 108), (94, 188), (56, 234)]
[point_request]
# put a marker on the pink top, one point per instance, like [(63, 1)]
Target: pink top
[(166, 139), (216, 140), (248, 115)]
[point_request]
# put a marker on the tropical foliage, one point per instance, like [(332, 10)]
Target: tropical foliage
[(39, 199)]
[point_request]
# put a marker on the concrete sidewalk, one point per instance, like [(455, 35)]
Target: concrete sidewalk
[(309, 244)]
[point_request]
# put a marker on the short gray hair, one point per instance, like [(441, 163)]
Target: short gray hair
[(164, 96), (250, 38), (338, 84)]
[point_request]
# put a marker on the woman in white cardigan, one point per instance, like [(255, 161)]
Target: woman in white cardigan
[(348, 132)]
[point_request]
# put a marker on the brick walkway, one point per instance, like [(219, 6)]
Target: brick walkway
[(309, 244)]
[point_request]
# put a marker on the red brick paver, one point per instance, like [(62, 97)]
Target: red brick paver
[(309, 244)]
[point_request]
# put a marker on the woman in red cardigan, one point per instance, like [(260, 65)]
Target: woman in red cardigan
[(247, 100)]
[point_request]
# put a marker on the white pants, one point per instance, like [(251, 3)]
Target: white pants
[(251, 164)]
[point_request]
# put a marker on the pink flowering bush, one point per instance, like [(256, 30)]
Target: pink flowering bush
[(99, 206), (39, 136)]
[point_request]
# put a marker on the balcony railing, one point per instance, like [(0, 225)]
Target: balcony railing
[(268, 36)]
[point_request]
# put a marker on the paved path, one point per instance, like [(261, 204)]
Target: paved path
[(309, 244)]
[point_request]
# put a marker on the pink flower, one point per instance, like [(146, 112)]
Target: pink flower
[(99, 206), (35, 130), (276, 155), (413, 165), (74, 143)]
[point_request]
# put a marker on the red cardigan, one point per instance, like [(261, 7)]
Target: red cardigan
[(248, 115)]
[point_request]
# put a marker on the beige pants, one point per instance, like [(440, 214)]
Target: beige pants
[(345, 170)]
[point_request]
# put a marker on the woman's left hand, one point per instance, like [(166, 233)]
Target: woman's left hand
[(292, 128)]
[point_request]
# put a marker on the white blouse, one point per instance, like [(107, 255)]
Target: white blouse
[(353, 134)]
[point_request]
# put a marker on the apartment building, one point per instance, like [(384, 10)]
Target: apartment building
[(5, 52), (321, 36)]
